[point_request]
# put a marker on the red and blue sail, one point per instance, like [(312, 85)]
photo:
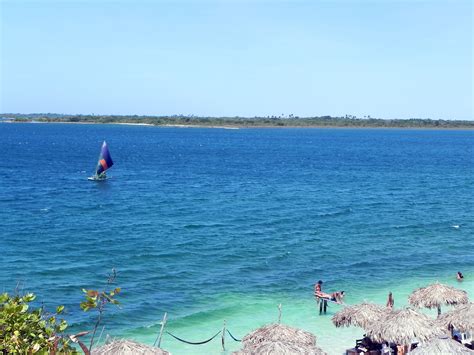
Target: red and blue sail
[(105, 160)]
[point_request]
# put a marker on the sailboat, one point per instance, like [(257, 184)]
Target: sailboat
[(105, 162)]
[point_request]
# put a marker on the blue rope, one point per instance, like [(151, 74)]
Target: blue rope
[(194, 343), (232, 336)]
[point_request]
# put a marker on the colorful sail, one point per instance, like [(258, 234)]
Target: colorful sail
[(105, 160)]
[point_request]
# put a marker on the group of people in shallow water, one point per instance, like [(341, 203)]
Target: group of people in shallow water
[(339, 295), (366, 343), (334, 297)]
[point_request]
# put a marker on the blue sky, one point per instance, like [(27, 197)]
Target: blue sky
[(380, 58)]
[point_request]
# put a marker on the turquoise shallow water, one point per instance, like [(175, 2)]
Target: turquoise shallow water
[(213, 224)]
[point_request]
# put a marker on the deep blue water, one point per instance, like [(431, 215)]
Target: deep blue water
[(190, 214)]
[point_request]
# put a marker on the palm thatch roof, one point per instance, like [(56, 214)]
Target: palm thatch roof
[(460, 318), (402, 326), (278, 333), (441, 346), (127, 347), (436, 295), (279, 347), (359, 315)]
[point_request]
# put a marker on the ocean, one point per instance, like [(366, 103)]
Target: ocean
[(214, 225)]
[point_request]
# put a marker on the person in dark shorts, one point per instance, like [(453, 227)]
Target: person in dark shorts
[(390, 300)]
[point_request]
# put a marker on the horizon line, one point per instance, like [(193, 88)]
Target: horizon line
[(289, 116)]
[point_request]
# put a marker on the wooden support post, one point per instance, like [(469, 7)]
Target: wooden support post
[(100, 337), (279, 313), (223, 337), (163, 323)]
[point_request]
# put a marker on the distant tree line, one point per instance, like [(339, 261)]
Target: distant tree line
[(268, 121)]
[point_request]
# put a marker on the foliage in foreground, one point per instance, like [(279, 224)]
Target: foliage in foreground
[(26, 330), (98, 300)]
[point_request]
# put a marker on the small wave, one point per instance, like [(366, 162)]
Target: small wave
[(144, 256), (456, 226), (203, 225), (196, 318), (361, 264), (336, 213), (408, 226), (279, 256), (194, 226), (199, 317)]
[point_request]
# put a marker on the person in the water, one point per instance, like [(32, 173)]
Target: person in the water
[(334, 297), (459, 276), (390, 301), (337, 296), (318, 288)]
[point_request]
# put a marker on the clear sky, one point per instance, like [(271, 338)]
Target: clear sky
[(380, 58)]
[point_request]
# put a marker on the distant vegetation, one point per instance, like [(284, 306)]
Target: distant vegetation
[(269, 121)]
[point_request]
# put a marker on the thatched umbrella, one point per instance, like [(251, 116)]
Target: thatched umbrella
[(402, 326), (127, 347), (441, 346), (436, 295), (359, 315), (278, 333), (460, 318), (279, 347)]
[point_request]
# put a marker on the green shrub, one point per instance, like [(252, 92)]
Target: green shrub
[(26, 330)]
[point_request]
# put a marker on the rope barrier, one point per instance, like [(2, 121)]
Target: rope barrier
[(195, 343), (233, 336)]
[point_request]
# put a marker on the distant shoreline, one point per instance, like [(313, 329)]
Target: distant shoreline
[(130, 124), (237, 127), (180, 121)]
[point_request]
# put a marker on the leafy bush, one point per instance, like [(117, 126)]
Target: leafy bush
[(98, 300), (26, 330)]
